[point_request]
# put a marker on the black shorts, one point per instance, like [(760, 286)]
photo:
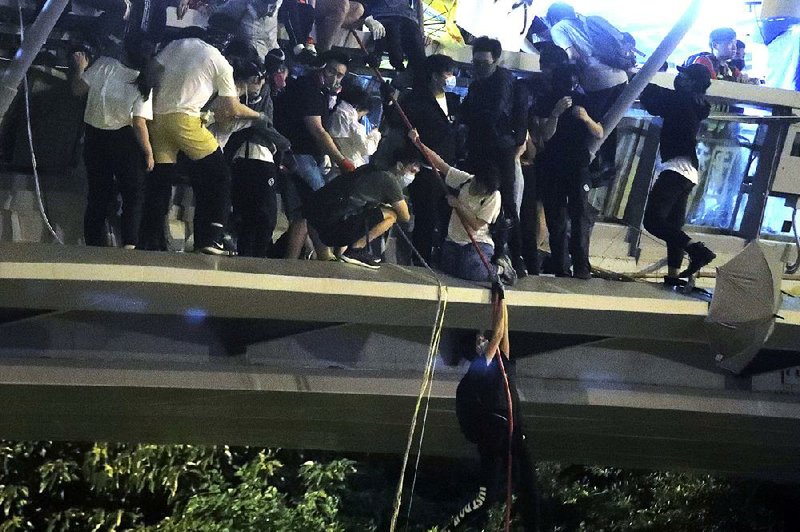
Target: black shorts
[(349, 230)]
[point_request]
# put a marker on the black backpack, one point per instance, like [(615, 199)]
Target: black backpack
[(607, 46)]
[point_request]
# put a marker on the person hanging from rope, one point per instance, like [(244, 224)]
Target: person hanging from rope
[(683, 109), (482, 408)]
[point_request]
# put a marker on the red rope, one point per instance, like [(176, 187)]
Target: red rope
[(496, 306), (410, 126)]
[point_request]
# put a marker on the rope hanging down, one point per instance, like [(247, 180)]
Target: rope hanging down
[(427, 377)]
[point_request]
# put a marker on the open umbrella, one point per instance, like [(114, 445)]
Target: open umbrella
[(744, 307)]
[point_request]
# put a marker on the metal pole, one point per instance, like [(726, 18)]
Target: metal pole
[(632, 91), (35, 37)]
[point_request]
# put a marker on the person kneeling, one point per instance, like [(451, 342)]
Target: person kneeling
[(476, 203), (358, 207)]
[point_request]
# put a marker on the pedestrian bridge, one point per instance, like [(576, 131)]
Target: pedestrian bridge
[(107, 344)]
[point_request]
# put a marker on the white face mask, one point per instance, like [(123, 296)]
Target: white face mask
[(406, 179), (450, 83)]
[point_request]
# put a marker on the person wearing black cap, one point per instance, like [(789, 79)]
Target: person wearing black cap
[(254, 153), (682, 109), (719, 60)]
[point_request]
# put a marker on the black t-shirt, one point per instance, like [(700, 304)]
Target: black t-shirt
[(682, 113), (482, 400), (352, 193), (569, 146), (303, 97)]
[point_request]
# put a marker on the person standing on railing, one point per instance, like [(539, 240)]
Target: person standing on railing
[(683, 109)]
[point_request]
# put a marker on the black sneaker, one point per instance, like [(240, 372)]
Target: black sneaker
[(582, 274), (520, 267), (360, 257), (223, 246), (699, 256), (674, 282)]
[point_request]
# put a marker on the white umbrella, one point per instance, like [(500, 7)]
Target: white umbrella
[(743, 309)]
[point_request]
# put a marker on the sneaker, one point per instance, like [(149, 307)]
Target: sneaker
[(360, 257), (699, 256), (223, 246), (506, 271), (520, 267), (582, 274), (674, 282)]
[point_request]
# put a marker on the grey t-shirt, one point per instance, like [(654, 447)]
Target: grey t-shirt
[(595, 75)]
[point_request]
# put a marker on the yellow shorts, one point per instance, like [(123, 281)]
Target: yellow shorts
[(174, 132)]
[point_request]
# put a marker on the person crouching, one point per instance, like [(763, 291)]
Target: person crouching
[(358, 207)]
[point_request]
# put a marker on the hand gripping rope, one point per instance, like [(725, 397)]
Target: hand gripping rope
[(496, 308)]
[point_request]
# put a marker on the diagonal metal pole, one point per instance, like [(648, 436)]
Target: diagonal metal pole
[(632, 91), (35, 37)]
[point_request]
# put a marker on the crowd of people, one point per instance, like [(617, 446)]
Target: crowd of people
[(217, 108)]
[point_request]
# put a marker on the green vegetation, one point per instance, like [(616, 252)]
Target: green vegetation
[(46, 486)]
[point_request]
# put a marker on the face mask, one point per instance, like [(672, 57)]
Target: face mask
[(450, 83), (484, 70), (406, 179)]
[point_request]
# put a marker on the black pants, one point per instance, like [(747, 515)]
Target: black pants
[(666, 213), (403, 39), (114, 163), (565, 198), (505, 161), (255, 205), (494, 476), (431, 213), (210, 179), (529, 220), (298, 19)]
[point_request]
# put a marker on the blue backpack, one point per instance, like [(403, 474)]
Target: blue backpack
[(607, 45)]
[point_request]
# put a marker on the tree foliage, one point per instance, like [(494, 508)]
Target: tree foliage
[(47, 486)]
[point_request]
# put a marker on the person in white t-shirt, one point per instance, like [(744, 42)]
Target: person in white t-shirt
[(347, 130), (117, 147), (190, 71), (476, 203)]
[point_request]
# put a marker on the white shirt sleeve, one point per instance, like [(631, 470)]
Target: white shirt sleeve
[(223, 81), (455, 177), (339, 125), (91, 74), (142, 108)]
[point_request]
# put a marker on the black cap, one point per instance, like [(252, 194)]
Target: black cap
[(697, 73), (273, 61)]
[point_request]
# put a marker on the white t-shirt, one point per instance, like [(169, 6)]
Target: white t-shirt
[(595, 75), (485, 207), (193, 72), (114, 97), (683, 166), (442, 101)]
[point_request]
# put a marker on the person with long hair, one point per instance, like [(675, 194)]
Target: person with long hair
[(117, 149)]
